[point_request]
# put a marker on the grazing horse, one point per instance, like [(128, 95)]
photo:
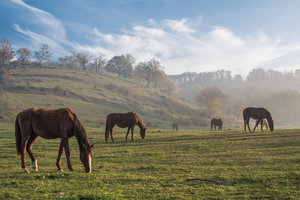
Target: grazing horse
[(124, 120), (216, 122), (259, 114), (175, 126), (61, 123)]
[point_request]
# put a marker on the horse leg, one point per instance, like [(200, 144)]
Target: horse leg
[(132, 129), (127, 133), (249, 126), (111, 134), (215, 127), (22, 149), (60, 152), (256, 124), (67, 152), (261, 125), (30, 143)]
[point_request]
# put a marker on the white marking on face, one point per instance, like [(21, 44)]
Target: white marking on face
[(90, 163)]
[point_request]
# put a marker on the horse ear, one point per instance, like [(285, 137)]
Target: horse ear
[(92, 145)]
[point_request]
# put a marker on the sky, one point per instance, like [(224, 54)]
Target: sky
[(183, 35)]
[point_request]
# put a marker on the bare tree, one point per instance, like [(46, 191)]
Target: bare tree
[(213, 99), (6, 52), (43, 54), (99, 62), (23, 55), (82, 58)]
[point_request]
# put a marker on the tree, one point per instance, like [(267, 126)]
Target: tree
[(151, 72), (99, 62), (121, 65), (213, 99), (4, 78), (82, 58), (43, 54), (6, 52), (237, 108), (23, 55)]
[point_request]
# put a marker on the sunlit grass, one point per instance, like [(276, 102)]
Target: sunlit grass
[(260, 165)]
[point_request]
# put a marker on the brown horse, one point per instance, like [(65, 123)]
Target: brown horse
[(61, 123), (259, 114), (124, 120), (216, 122)]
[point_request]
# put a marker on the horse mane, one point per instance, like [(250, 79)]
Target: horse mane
[(141, 123), (80, 134)]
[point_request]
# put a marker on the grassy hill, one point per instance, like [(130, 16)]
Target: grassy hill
[(93, 96)]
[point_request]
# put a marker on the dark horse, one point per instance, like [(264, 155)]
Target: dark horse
[(259, 114), (216, 122), (124, 120), (175, 126), (61, 123)]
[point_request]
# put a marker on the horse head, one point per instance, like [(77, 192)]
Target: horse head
[(143, 132), (86, 154), (271, 123)]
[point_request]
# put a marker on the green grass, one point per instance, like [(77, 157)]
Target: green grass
[(260, 165)]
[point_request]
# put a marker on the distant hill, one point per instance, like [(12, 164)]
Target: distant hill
[(93, 96)]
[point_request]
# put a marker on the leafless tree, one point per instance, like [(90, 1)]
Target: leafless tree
[(23, 55), (6, 52), (99, 62), (82, 58), (43, 54)]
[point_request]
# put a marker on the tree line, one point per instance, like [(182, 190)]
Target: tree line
[(224, 94), (151, 72)]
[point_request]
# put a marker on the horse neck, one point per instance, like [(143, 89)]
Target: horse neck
[(141, 123), (81, 135)]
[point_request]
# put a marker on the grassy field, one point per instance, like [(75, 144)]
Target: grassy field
[(261, 166)]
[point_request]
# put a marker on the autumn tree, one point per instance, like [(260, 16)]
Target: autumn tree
[(237, 108), (6, 52), (121, 65), (23, 55), (213, 99), (43, 54), (151, 72)]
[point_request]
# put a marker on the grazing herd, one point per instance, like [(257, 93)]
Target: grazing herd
[(63, 123)]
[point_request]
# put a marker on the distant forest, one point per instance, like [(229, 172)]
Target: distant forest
[(275, 90)]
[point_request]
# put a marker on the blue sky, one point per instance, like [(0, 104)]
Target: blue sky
[(184, 35)]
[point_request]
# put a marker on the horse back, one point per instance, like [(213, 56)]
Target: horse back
[(255, 113), (122, 120), (47, 123)]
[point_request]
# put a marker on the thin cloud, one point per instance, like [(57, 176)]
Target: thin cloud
[(180, 45)]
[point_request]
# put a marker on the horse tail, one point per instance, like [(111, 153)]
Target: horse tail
[(107, 129), (18, 136)]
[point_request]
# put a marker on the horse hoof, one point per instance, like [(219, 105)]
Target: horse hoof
[(25, 171), (60, 170)]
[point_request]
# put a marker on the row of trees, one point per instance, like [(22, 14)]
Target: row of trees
[(150, 72)]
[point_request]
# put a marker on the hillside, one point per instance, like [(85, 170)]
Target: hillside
[(93, 96)]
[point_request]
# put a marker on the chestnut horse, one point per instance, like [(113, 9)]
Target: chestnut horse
[(61, 123), (124, 120), (259, 114), (216, 122)]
